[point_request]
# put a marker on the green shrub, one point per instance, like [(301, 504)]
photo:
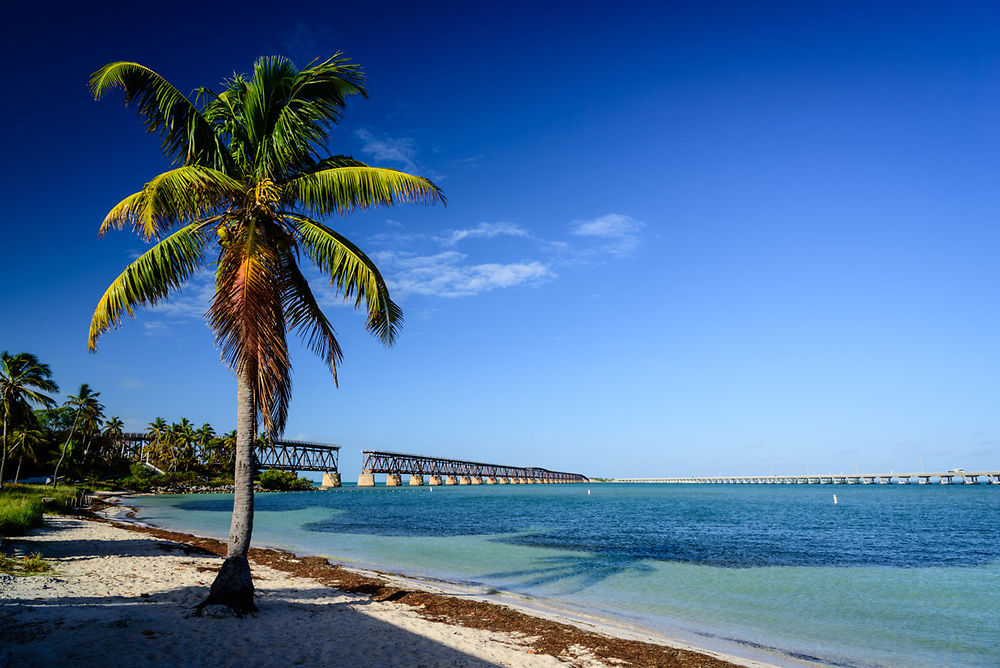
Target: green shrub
[(185, 478), (136, 483), (137, 470), (275, 480)]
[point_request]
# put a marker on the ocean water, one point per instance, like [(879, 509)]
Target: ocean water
[(888, 576)]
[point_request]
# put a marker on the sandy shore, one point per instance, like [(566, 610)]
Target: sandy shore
[(123, 594)]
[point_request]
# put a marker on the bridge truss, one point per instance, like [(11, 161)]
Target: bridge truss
[(379, 461), (281, 454)]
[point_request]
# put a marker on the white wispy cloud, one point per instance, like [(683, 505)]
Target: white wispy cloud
[(447, 274), (619, 232), (396, 150), (485, 231), (191, 301)]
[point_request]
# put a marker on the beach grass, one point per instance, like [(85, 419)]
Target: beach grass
[(33, 564), (22, 506)]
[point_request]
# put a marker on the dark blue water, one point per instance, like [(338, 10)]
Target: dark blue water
[(889, 576)]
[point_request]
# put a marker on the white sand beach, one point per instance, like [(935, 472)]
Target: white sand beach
[(118, 597)]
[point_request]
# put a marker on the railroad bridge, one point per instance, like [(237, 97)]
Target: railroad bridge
[(452, 471), (281, 454)]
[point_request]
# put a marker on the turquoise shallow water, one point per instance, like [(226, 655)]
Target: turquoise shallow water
[(889, 576)]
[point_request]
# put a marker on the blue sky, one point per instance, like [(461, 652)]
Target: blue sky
[(680, 240)]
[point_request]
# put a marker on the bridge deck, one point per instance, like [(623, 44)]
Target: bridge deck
[(923, 478), (380, 461)]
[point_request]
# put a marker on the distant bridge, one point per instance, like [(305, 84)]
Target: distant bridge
[(953, 477), (281, 454), (452, 471)]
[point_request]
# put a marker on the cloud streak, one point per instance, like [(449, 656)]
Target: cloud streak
[(620, 233), (445, 274), (486, 231), (395, 150)]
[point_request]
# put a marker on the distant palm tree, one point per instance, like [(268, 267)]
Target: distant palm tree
[(249, 181), (91, 422), (114, 431), (157, 432), (27, 439), (205, 436), (226, 448), (23, 379), (88, 412), (182, 437)]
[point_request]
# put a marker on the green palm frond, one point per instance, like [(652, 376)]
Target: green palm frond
[(342, 190), (23, 379), (352, 273), (333, 162), (225, 112), (303, 314), (317, 98), (175, 196), (187, 138), (264, 99), (157, 273)]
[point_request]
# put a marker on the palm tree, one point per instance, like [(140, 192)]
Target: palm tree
[(225, 449), (182, 438), (249, 180), (22, 380), (114, 430), (157, 431), (88, 414), (91, 421), (205, 438), (27, 438)]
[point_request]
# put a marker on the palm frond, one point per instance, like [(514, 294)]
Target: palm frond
[(303, 314), (342, 190), (249, 323), (352, 273), (317, 99), (263, 101), (187, 138), (148, 280), (175, 196)]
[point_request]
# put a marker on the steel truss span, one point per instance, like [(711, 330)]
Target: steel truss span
[(378, 461), (281, 454)]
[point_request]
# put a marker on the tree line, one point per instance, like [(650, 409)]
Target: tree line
[(77, 439)]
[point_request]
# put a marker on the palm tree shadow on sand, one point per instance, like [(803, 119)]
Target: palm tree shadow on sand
[(574, 572)]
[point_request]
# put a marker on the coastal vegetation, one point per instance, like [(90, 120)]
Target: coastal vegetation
[(283, 481), (76, 441), (23, 381), (33, 564), (22, 506), (250, 179)]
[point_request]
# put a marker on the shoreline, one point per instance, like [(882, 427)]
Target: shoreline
[(533, 634), (555, 631), (725, 650)]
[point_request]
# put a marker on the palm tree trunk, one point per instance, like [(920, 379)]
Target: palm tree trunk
[(3, 457), (233, 585), (17, 473), (55, 475)]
